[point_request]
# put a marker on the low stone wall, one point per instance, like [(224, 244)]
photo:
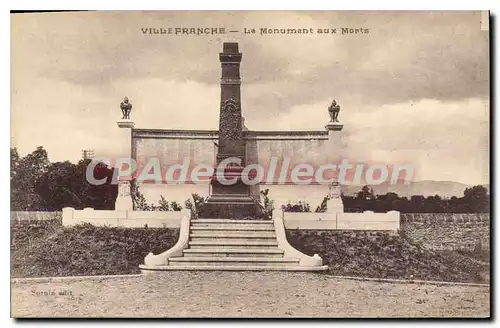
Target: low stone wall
[(27, 217), (128, 219), (447, 231), (432, 230), (308, 221), (367, 220)]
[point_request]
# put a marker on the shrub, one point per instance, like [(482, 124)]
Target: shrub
[(323, 206), (381, 254), (299, 207), (138, 200), (267, 204), (85, 249), (196, 205), (140, 203)]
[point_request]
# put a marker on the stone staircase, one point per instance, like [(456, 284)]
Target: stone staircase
[(234, 245)]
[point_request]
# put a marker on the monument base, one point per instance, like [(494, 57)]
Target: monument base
[(230, 201), (230, 207)]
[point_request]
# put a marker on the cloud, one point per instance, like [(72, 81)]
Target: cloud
[(442, 140), (405, 56)]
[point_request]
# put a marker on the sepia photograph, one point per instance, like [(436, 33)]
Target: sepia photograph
[(250, 164)]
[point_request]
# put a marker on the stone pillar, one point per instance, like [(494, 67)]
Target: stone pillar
[(334, 203), (231, 142), (335, 140), (336, 153), (124, 199), (230, 200)]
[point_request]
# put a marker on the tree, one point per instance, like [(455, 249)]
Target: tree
[(389, 200), (366, 193), (476, 199), (57, 188), (25, 173), (99, 197), (66, 185), (14, 162)]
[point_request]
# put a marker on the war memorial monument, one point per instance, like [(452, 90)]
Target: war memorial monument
[(231, 232)]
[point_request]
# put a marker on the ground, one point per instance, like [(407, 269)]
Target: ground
[(244, 294)]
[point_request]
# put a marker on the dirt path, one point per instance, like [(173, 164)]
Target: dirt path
[(244, 294)]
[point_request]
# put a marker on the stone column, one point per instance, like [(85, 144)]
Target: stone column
[(335, 140), (230, 200), (231, 142), (124, 199), (336, 153), (334, 203)]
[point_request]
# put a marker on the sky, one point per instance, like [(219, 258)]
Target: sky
[(414, 89)]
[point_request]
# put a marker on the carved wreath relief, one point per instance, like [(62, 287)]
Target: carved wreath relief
[(230, 120)]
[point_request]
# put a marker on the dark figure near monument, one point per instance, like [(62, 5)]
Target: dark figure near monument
[(334, 110), (126, 108)]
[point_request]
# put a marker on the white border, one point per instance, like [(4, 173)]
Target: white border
[(189, 5)]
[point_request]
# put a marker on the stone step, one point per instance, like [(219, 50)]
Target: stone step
[(157, 269), (231, 241), (232, 261), (227, 221), (239, 242), (232, 252), (232, 234), (231, 224), (234, 227), (233, 246)]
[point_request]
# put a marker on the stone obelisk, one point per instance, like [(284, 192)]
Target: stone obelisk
[(230, 196)]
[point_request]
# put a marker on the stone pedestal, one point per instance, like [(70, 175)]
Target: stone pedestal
[(127, 124), (334, 204), (335, 147), (335, 142), (230, 201), (331, 127), (124, 198)]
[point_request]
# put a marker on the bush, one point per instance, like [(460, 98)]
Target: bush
[(85, 249), (266, 204), (196, 205), (299, 207), (140, 203), (385, 255), (323, 206)]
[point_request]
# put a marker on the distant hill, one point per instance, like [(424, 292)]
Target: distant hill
[(424, 188)]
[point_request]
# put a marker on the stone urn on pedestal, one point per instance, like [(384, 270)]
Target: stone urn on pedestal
[(126, 125)]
